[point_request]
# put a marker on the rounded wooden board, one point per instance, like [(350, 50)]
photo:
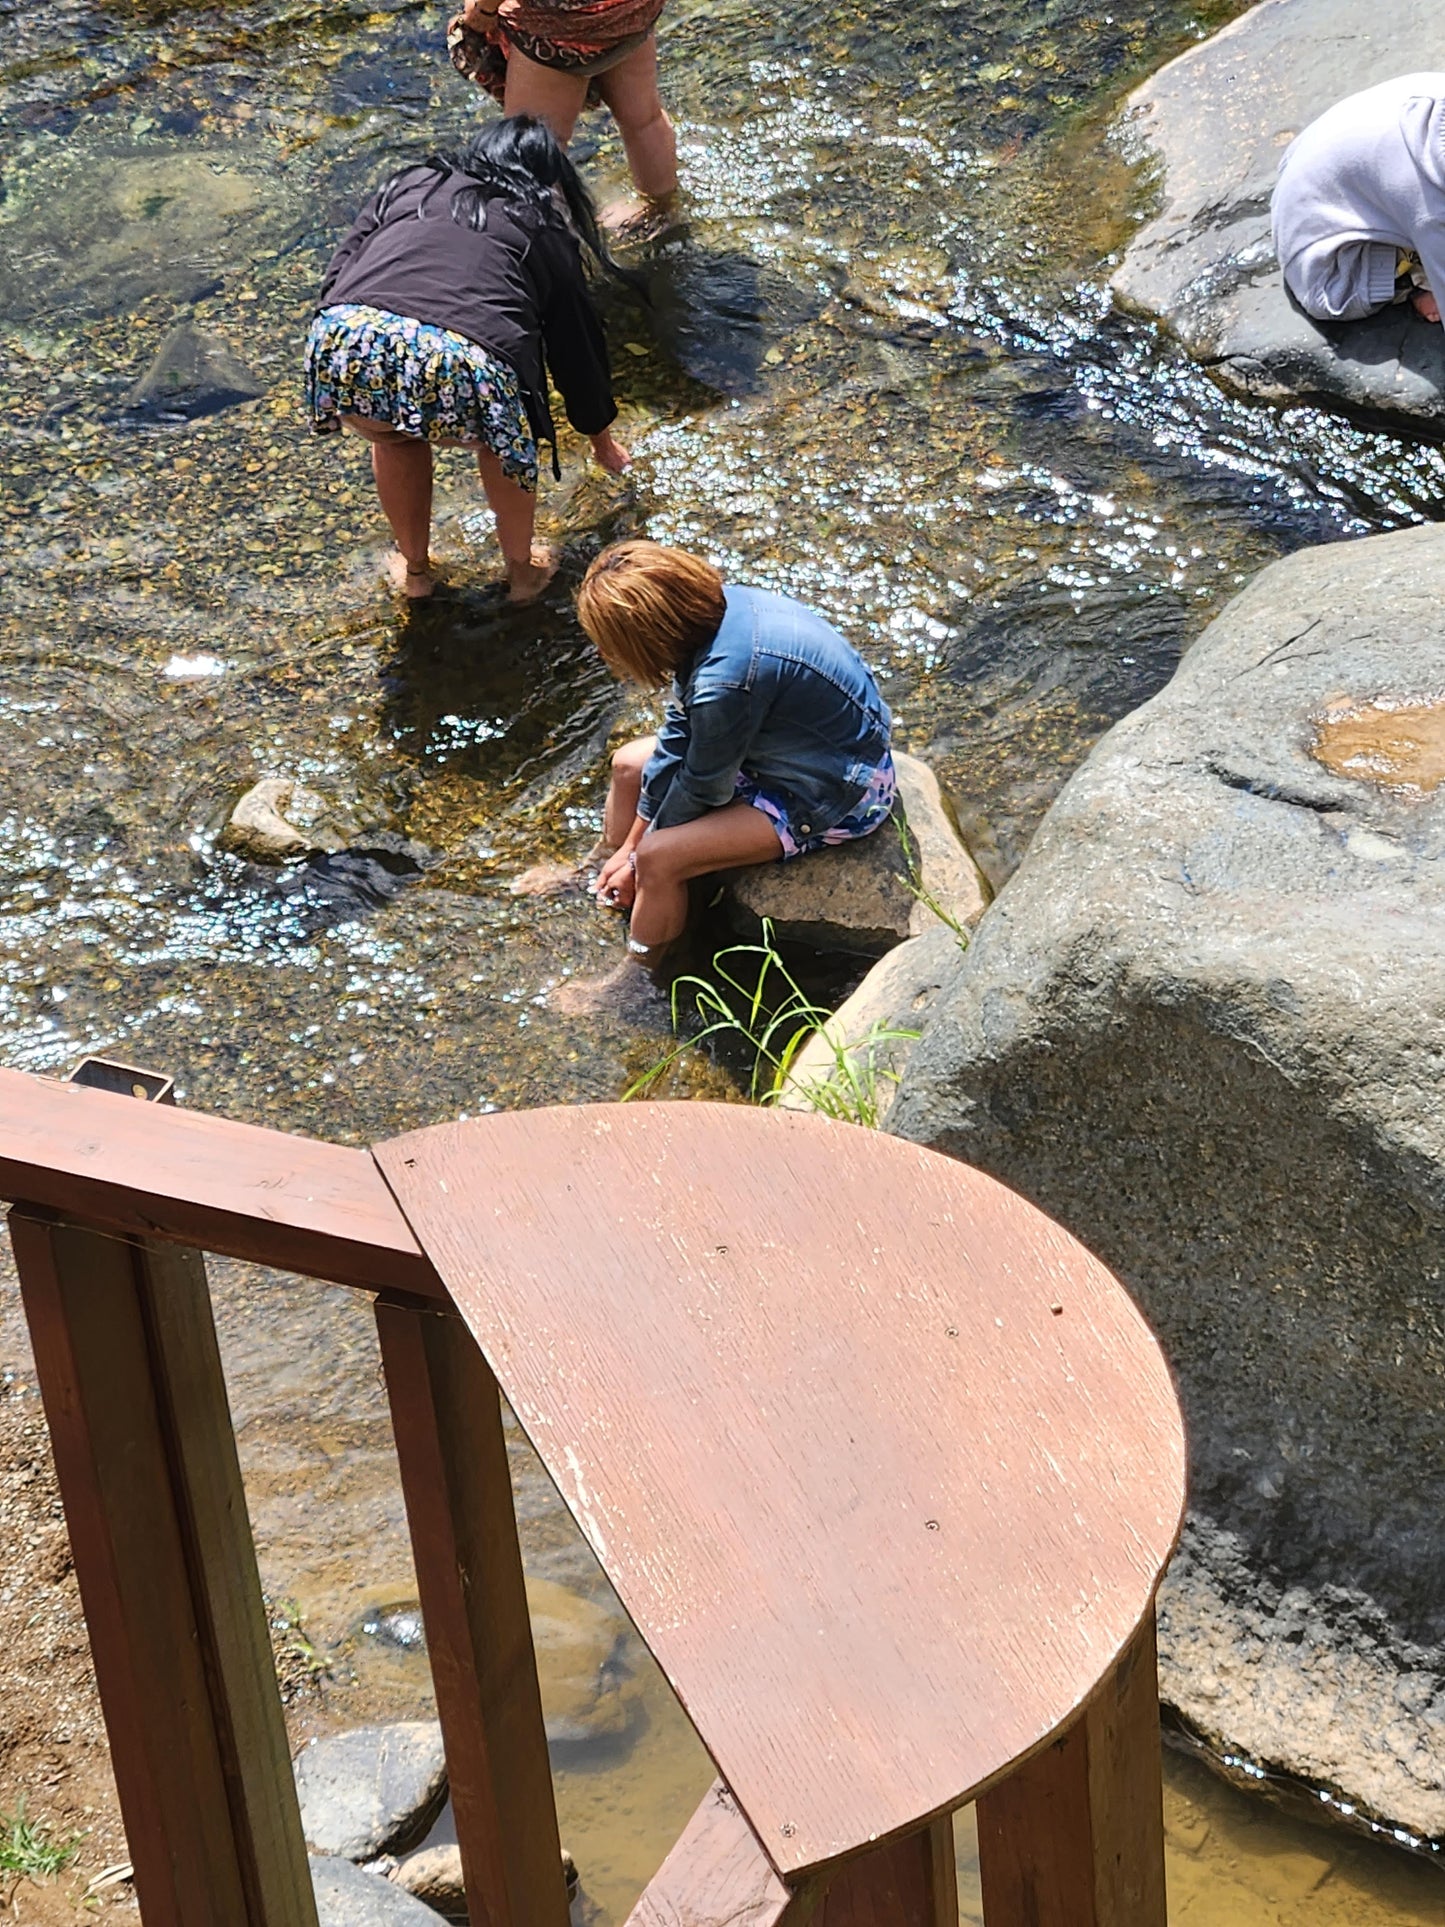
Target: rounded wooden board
[(883, 1463)]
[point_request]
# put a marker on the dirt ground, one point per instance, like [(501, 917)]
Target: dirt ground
[(54, 1759), (53, 1754)]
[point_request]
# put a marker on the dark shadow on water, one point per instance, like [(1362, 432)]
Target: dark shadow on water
[(711, 314), (499, 693)]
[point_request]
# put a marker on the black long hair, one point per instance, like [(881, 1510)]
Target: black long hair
[(522, 161)]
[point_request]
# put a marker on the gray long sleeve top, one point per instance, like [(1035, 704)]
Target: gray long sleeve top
[(1362, 182)]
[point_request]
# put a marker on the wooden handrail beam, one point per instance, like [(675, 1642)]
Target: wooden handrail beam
[(291, 1202)]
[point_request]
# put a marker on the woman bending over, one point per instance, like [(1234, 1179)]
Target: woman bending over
[(460, 285), (775, 744), (1359, 207)]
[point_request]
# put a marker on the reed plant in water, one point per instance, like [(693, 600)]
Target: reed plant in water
[(771, 1017)]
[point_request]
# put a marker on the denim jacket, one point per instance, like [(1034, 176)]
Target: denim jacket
[(776, 693)]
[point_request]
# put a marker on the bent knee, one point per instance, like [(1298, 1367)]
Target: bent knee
[(633, 757), (653, 861)]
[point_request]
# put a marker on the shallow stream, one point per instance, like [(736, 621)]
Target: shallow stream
[(879, 370)]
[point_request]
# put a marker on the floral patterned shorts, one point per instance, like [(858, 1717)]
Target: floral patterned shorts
[(869, 813), (422, 380)]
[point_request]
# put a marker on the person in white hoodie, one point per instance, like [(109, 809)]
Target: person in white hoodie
[(1359, 206)]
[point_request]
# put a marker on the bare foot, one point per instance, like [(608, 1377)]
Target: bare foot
[(638, 217), (417, 583), (550, 880), (527, 580), (1426, 306), (629, 992)]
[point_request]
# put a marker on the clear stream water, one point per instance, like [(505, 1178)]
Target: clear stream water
[(880, 370)]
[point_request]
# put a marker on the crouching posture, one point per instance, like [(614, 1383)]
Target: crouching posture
[(775, 741), (459, 286), (1359, 207)]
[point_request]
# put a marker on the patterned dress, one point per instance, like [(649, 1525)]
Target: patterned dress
[(424, 381)]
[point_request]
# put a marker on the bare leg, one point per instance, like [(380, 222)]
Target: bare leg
[(551, 879), (402, 468), (530, 567), (667, 860), (553, 97), (1425, 304), (625, 789), (630, 90)]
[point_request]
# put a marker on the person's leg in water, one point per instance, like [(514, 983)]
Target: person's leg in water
[(665, 863), (545, 92), (630, 91), (618, 817), (530, 565), (401, 466)]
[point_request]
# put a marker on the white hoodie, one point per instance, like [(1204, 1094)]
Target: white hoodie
[(1362, 182)]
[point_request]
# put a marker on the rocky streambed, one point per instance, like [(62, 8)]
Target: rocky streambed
[(881, 369)]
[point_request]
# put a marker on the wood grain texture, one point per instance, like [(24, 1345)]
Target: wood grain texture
[(126, 1361), (884, 1465), (909, 1881), (447, 1420), (1075, 1838), (717, 1876), (292, 1202), (210, 1500)]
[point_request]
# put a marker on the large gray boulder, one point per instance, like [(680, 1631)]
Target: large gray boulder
[(373, 1790), (1204, 1027), (1214, 124)]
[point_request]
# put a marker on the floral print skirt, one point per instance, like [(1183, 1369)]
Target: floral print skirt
[(422, 380)]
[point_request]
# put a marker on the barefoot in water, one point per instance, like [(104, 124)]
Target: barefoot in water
[(639, 219), (417, 583), (629, 992), (551, 879), (527, 580), (1426, 306)]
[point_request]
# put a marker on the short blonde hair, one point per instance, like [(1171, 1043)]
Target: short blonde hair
[(649, 608)]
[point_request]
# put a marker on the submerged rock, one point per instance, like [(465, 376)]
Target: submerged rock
[(346, 1896), (588, 1692), (1204, 1027), (266, 824), (1215, 122), (867, 896), (374, 1790), (193, 374)]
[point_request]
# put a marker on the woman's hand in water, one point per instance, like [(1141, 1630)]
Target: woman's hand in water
[(610, 452), (616, 883)]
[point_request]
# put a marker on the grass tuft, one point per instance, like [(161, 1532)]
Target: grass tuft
[(773, 1017), (30, 1848)]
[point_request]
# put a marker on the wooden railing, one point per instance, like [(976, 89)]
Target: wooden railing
[(750, 1436)]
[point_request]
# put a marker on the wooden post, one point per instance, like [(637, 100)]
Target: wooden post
[(130, 1375), (1075, 1838), (907, 1882), (447, 1418)]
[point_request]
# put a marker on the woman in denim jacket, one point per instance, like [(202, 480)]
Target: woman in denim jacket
[(775, 741)]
